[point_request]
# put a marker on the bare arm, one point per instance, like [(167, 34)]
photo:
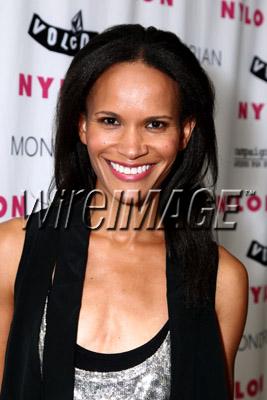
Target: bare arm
[(11, 244), (231, 304)]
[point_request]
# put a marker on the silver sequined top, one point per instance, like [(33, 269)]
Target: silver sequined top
[(148, 380)]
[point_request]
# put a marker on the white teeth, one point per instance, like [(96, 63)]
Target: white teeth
[(130, 171)]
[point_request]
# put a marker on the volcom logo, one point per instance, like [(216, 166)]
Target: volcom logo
[(259, 68), (60, 40), (258, 252)]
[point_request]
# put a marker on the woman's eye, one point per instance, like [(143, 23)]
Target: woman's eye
[(157, 124), (109, 121)]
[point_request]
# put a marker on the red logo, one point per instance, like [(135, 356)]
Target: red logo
[(14, 205), (37, 86), (249, 389), (242, 12), (258, 294), (250, 110), (161, 2)]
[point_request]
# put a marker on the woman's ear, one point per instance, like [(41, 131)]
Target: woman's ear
[(82, 126), (187, 129)]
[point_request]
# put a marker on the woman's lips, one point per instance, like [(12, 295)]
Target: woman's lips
[(130, 177)]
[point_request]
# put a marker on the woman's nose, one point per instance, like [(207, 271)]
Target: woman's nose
[(131, 144)]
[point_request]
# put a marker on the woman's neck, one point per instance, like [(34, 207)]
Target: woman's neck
[(126, 221)]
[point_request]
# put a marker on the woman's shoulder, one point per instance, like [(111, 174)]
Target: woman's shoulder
[(12, 233), (231, 305), (231, 270), (231, 286), (12, 236)]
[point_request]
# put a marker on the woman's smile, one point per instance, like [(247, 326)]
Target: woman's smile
[(130, 172)]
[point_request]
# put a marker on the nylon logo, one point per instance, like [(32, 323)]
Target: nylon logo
[(60, 40)]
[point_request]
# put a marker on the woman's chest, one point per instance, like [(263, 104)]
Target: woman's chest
[(124, 299)]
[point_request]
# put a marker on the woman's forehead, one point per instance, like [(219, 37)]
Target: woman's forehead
[(134, 84)]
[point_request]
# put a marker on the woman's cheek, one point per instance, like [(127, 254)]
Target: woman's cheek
[(94, 143), (170, 148)]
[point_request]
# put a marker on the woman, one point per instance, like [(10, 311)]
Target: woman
[(139, 312)]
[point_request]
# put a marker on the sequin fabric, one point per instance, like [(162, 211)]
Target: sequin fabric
[(149, 380)]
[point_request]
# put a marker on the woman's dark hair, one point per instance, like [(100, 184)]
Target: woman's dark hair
[(194, 167)]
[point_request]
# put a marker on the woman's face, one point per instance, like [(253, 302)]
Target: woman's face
[(132, 130)]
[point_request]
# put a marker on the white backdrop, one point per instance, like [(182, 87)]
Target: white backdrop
[(38, 39)]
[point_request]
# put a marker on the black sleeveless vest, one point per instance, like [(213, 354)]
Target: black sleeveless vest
[(198, 369)]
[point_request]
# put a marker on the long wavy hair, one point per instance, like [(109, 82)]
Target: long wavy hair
[(195, 167)]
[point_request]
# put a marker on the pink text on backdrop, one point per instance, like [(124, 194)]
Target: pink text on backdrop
[(162, 2), (40, 84), (250, 389), (250, 110), (258, 294), (242, 12)]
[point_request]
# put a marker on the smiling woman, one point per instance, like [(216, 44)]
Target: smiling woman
[(124, 313), (144, 131)]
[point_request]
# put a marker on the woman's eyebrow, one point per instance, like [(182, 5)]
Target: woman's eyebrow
[(107, 112), (150, 117)]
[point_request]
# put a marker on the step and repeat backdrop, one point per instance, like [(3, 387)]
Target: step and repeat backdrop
[(38, 41)]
